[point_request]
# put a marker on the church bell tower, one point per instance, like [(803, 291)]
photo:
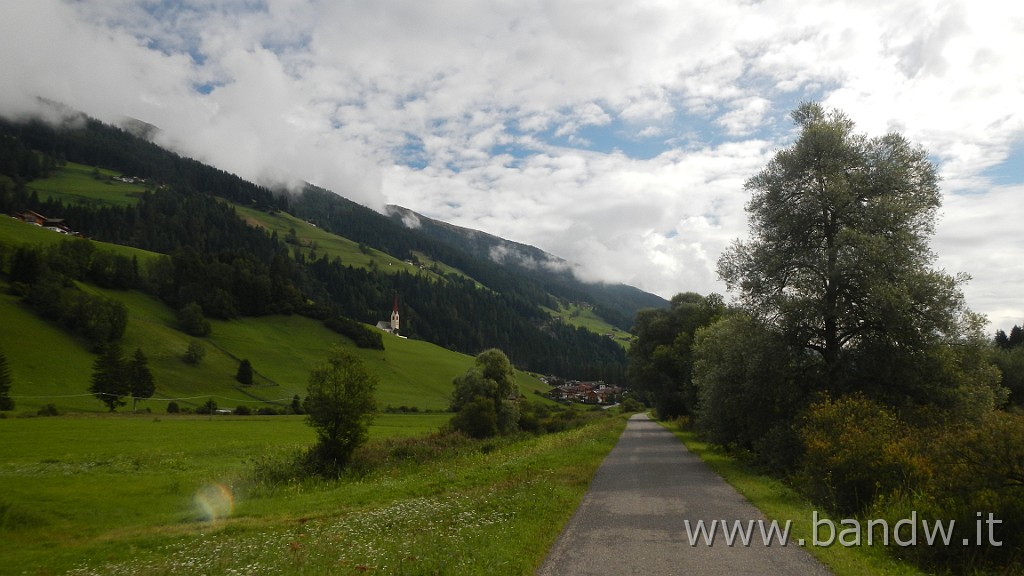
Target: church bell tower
[(394, 316)]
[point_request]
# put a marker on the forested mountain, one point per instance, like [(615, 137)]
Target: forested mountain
[(228, 267), (616, 303)]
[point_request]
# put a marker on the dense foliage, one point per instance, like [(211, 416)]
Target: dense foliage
[(45, 278), (851, 366), (484, 399), (661, 359)]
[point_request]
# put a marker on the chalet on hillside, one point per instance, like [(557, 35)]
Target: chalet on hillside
[(54, 224)]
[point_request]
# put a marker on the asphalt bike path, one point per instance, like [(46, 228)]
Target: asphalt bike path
[(633, 518)]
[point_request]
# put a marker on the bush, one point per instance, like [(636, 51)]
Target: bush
[(192, 320), (856, 451), (243, 411), (173, 408), (195, 353), (98, 319), (49, 410), (978, 469), (361, 335), (6, 402), (339, 406), (477, 418), (631, 405)]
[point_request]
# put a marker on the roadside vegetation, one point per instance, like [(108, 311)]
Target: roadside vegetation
[(849, 367), (780, 501)]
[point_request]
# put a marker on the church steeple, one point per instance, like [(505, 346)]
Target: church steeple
[(394, 315)]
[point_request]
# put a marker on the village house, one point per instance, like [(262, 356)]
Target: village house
[(54, 224), (586, 392)]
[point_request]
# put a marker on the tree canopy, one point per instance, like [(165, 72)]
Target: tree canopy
[(661, 358), (838, 259), (483, 396)]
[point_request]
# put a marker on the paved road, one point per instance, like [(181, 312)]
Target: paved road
[(631, 520)]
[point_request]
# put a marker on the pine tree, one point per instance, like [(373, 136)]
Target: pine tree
[(1001, 340), (1016, 336), (140, 379), (109, 383), (244, 374), (6, 403)]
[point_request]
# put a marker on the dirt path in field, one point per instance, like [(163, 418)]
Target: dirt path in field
[(633, 518)]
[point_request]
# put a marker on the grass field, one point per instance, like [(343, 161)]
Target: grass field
[(80, 184), (575, 315), (15, 232), (168, 495), (316, 241)]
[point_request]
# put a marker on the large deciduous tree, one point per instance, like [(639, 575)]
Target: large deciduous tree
[(838, 259), (483, 397)]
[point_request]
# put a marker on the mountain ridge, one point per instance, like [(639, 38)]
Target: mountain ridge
[(616, 302)]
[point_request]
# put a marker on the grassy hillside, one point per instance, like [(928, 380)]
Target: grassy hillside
[(80, 184), (316, 241), (585, 317), (14, 232), (49, 366)]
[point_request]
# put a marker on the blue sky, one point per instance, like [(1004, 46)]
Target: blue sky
[(615, 135)]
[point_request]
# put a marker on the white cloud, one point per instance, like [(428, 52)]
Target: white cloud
[(540, 121)]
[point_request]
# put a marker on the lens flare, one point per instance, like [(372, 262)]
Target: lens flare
[(214, 501)]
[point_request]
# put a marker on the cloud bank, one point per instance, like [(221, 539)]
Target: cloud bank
[(615, 135)]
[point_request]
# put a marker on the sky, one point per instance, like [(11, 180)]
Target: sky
[(617, 135)]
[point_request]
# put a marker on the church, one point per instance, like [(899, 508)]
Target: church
[(392, 326)]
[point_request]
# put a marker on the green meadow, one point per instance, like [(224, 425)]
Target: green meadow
[(585, 317), (15, 232), (80, 184), (316, 242), (177, 495), (146, 492)]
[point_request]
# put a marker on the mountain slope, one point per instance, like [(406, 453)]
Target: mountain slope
[(233, 261), (282, 349), (615, 303)]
